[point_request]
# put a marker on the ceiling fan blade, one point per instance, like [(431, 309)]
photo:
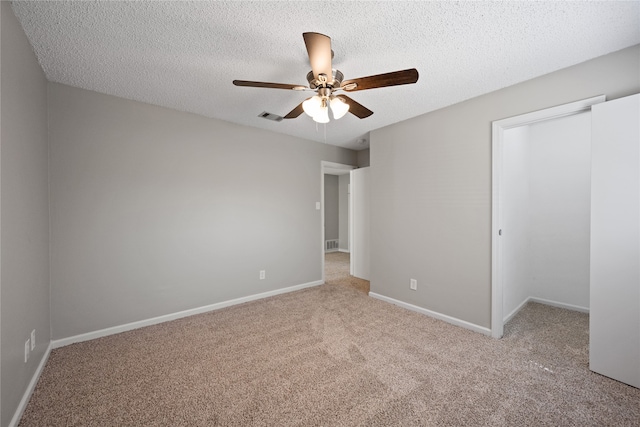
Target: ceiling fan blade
[(295, 112), (381, 80), (355, 108), (319, 50), (268, 85)]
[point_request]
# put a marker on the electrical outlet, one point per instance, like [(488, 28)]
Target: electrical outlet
[(33, 339), (27, 348), (413, 284), (262, 274)]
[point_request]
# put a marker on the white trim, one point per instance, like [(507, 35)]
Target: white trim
[(549, 113), (351, 221), (333, 165), (346, 251), (173, 316), (497, 140), (452, 320), (560, 304), (322, 233), (30, 388), (546, 302), (516, 310)]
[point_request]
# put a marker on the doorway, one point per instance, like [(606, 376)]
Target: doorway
[(334, 210), (540, 215)]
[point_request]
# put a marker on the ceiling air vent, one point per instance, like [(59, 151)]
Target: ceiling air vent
[(270, 116)]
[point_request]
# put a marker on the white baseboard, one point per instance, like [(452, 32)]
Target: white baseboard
[(546, 302), (173, 316), (560, 304), (453, 320), (516, 310), (346, 251), (328, 251), (29, 391)]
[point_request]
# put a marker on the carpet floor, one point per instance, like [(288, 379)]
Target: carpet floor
[(332, 356), (336, 272)]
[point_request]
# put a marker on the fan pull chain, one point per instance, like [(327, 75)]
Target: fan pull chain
[(324, 127)]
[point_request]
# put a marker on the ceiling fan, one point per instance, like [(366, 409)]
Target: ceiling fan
[(325, 81)]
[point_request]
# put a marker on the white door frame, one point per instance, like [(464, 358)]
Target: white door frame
[(326, 167), (497, 140)]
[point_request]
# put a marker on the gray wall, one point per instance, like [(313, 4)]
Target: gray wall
[(331, 217), (364, 158), (24, 213), (343, 208), (154, 211), (431, 187)]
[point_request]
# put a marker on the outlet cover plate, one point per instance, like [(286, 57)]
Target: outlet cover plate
[(413, 284)]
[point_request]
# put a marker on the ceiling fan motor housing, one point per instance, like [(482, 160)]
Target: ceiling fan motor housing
[(323, 81)]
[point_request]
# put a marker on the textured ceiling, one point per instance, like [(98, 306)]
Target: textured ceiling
[(184, 55)]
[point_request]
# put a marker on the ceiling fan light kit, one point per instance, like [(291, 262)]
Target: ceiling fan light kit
[(317, 107), (338, 107), (322, 116), (325, 80), (312, 106)]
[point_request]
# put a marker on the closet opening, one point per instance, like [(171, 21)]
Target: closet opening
[(541, 211)]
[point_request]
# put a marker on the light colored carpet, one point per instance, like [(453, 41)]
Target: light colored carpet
[(336, 271), (332, 356)]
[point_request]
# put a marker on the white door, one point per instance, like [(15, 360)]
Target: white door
[(360, 223), (614, 320)]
